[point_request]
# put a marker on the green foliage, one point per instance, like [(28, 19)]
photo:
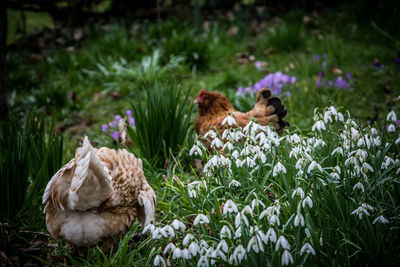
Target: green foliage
[(28, 160), (287, 37), (162, 121), (193, 48)]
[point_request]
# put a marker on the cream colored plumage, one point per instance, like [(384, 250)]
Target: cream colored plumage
[(97, 196)]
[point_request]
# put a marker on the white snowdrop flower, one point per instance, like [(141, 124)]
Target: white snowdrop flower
[(282, 242), (210, 134), (216, 143), (361, 210), (391, 128), (319, 125), (159, 260), (338, 150), (300, 163), (159, 233), (278, 169), (352, 160), (374, 131), (169, 247), (338, 170), (360, 186), (187, 239), (214, 160), (238, 233), (307, 201), (186, 254), (178, 253), (194, 249), (225, 232), (192, 193), (274, 219), (203, 262), (262, 157), (255, 245), (314, 165), (380, 219), (307, 248), (286, 258), (239, 254), (332, 110), (250, 162), (366, 167), (319, 143), (377, 141), (230, 120), (228, 146), (203, 245), (298, 191), (255, 202), (296, 151), (195, 150), (397, 141), (217, 254), (327, 117), (299, 219), (235, 154), (270, 235), (238, 135), (339, 117), (335, 175), (169, 230), (230, 207), (247, 209), (239, 218), (234, 183), (150, 227), (295, 139), (222, 245), (200, 219), (239, 163), (391, 116)]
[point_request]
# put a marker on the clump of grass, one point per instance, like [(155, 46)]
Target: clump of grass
[(28, 159), (162, 121)]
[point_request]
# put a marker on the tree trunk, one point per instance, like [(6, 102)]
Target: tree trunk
[(3, 67)]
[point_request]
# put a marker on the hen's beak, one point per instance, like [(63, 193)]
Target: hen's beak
[(196, 101)]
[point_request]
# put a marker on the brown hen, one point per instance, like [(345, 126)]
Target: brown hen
[(214, 107), (97, 196)]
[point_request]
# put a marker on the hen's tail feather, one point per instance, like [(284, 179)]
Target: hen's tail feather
[(279, 108)]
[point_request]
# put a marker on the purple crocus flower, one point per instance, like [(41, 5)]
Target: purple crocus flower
[(112, 124), (349, 75), (287, 93), (341, 83), (129, 113), (324, 64), (258, 65), (319, 82), (115, 135), (104, 128), (398, 123), (330, 82), (377, 64), (325, 56), (117, 118), (316, 57), (240, 91), (132, 122), (321, 74), (397, 61)]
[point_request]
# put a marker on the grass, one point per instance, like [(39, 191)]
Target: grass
[(125, 64)]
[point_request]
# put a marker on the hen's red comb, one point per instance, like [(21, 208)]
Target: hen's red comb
[(202, 92)]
